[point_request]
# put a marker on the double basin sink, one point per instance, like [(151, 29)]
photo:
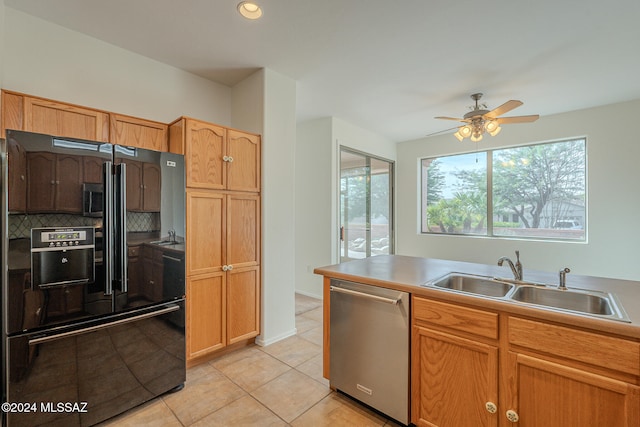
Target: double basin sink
[(591, 303)]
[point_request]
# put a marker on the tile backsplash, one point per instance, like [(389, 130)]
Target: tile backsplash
[(20, 225)]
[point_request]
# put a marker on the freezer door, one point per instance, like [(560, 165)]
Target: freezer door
[(150, 227), (96, 371)]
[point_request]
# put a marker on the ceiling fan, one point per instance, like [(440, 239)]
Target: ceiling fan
[(480, 120)]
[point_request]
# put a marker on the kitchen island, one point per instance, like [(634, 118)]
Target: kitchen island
[(490, 361)]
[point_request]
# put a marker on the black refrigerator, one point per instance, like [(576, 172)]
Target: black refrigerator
[(93, 278)]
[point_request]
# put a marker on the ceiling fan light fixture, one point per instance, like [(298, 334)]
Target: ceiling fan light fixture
[(459, 135), (476, 137), (492, 127), (466, 131), (495, 131), (249, 10)]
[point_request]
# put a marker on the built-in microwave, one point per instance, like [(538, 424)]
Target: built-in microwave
[(92, 199)]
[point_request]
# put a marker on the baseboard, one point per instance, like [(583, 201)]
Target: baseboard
[(263, 343)]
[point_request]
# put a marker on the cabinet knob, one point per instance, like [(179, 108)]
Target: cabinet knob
[(230, 267), (225, 158), (491, 407), (512, 416), (225, 267), (230, 159)]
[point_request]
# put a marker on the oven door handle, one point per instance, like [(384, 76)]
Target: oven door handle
[(49, 338)]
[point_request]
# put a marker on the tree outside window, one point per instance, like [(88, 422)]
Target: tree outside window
[(537, 191)]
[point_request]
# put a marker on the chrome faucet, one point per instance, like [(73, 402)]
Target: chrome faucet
[(172, 236), (562, 284), (516, 269)]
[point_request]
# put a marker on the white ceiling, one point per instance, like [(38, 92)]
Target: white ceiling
[(388, 66)]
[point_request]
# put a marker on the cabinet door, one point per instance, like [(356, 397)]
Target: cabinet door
[(92, 169), (205, 225), (205, 148), (68, 183), (452, 381), (139, 133), (552, 395), (151, 185), (134, 186), (243, 171), (206, 322), (17, 159), (60, 119), (41, 181), (243, 230), (243, 303)]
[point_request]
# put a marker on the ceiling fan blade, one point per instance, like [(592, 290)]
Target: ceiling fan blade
[(517, 119), (451, 118), (443, 131), (504, 108)]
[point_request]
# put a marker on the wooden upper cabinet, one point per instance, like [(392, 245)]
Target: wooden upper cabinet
[(243, 161), (140, 133), (217, 158), (203, 145), (54, 183), (33, 114), (59, 119), (17, 159)]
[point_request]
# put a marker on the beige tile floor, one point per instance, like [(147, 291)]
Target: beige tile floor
[(277, 385)]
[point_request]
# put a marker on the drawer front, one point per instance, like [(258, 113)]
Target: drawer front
[(588, 347), (464, 319), (133, 251)]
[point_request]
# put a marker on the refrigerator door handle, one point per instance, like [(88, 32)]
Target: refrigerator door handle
[(107, 250), (49, 338), (122, 226)]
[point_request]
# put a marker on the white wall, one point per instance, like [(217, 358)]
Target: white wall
[(314, 214), (317, 164), (47, 60), (613, 201), (278, 208)]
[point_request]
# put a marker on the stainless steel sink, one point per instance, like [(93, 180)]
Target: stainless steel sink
[(472, 284), (600, 304)]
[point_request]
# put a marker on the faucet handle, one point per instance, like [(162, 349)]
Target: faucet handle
[(562, 283), (517, 255)]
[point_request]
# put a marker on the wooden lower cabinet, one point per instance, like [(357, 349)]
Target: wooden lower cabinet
[(243, 304), (473, 367), (222, 308), (206, 320), (552, 395), (453, 380)]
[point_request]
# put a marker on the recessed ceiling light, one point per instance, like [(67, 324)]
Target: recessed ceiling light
[(249, 10)]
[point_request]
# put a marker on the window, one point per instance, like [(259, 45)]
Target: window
[(536, 191), (366, 205)]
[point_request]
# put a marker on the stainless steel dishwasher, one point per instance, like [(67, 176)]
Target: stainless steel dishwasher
[(369, 346)]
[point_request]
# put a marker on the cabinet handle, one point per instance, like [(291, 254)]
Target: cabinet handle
[(491, 407), (512, 416)]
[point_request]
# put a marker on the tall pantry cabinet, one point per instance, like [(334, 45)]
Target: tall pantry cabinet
[(223, 233)]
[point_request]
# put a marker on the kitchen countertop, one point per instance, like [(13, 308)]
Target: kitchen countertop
[(407, 274)]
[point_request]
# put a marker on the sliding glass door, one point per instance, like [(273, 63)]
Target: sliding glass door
[(366, 205)]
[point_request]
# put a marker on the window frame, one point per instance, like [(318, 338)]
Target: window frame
[(489, 152)]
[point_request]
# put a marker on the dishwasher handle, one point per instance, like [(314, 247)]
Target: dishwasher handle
[(365, 295)]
